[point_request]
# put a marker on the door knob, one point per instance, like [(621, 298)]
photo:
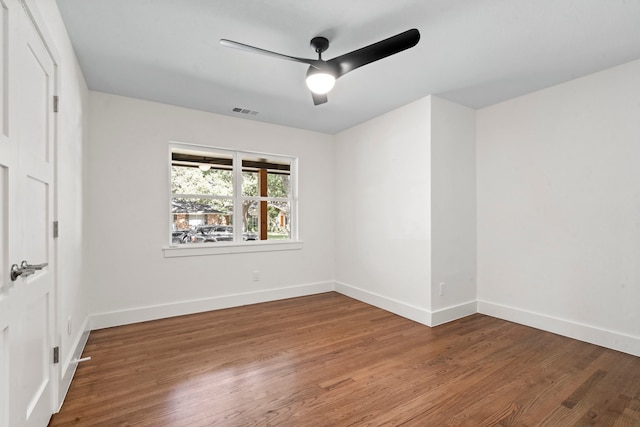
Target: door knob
[(17, 271), (26, 266), (25, 269)]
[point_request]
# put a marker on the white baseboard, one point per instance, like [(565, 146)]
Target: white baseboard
[(455, 312), (69, 367), (606, 338), (591, 334), (417, 314), (143, 314)]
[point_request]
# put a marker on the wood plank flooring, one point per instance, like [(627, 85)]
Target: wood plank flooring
[(328, 360)]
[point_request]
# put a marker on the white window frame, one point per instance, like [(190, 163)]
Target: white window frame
[(238, 245)]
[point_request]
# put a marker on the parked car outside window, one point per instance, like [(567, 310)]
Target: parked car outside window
[(221, 233), (186, 236)]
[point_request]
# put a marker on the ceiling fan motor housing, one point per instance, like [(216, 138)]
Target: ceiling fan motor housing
[(319, 44)]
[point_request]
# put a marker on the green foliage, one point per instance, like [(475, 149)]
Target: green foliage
[(214, 182), (249, 184), (278, 185)]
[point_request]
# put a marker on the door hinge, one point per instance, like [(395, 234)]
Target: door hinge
[(55, 229), (56, 101), (56, 354)]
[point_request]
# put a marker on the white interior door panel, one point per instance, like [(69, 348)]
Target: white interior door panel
[(27, 303)]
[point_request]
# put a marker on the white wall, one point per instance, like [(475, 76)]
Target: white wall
[(383, 213), (558, 187), (405, 211), (453, 210), (127, 210), (72, 133)]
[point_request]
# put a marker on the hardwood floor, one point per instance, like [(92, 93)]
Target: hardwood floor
[(328, 360)]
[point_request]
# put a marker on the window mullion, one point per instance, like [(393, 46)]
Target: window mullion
[(237, 198)]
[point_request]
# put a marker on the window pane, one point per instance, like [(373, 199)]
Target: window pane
[(277, 173), (250, 184), (278, 185), (193, 180), (251, 218), (187, 214), (278, 220)]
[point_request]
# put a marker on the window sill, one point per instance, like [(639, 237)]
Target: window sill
[(228, 248)]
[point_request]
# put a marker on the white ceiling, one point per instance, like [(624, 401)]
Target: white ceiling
[(474, 52)]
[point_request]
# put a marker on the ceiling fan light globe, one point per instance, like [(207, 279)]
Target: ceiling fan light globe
[(320, 83)]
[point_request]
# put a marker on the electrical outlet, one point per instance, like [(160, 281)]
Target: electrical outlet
[(256, 276), (69, 329), (443, 288)]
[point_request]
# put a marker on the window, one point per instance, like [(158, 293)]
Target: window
[(220, 196)]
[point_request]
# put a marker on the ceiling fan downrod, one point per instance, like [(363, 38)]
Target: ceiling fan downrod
[(319, 44)]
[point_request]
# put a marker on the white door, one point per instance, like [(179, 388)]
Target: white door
[(8, 162), (27, 304)]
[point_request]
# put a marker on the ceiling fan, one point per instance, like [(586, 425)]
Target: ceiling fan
[(322, 75)]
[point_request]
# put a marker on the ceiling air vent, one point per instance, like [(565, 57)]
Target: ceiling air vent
[(244, 111)]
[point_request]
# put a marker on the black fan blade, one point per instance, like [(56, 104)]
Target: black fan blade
[(241, 46), (374, 52), (319, 99)]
